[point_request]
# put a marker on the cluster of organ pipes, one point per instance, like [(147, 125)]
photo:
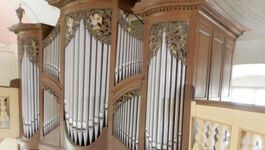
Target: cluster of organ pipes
[(165, 92), (129, 54), (51, 117), (126, 120), (30, 94), (51, 54), (86, 96)]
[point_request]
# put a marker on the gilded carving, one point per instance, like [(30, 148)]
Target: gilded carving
[(176, 38), (49, 90), (134, 28), (55, 32), (72, 22), (31, 46), (126, 97), (97, 22)]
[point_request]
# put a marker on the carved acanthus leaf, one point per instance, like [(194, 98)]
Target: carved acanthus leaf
[(125, 98), (31, 46), (97, 22), (134, 28), (176, 38), (55, 32)]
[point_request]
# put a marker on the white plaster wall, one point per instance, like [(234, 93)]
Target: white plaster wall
[(9, 144)]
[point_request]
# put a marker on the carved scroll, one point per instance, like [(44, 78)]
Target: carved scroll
[(97, 22), (176, 38), (4, 118), (31, 46)]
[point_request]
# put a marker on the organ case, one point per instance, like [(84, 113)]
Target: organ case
[(121, 74)]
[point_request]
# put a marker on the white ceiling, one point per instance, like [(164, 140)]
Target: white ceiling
[(250, 13)]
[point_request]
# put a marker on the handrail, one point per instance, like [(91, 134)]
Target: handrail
[(233, 105)]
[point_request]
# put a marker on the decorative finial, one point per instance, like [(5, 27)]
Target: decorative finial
[(20, 13)]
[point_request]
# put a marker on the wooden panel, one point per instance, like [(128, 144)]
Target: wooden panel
[(203, 47), (227, 69), (216, 66)]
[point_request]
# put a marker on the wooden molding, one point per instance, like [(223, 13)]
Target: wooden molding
[(232, 105)]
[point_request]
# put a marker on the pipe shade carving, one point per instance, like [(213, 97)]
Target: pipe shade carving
[(51, 53), (129, 54), (97, 22), (176, 38), (31, 47), (126, 119), (165, 93), (87, 61)]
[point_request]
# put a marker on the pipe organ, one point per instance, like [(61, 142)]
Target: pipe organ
[(87, 59), (166, 78), (121, 74), (51, 118), (129, 47), (126, 119), (30, 86), (51, 53)]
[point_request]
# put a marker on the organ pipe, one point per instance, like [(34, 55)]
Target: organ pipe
[(166, 82), (126, 119), (87, 62), (51, 53), (30, 85), (51, 109), (129, 47)]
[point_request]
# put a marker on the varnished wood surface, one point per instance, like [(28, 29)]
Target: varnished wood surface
[(202, 16)]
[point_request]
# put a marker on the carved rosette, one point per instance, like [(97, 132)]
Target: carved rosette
[(126, 97), (31, 46), (176, 38), (134, 28), (52, 35), (97, 22)]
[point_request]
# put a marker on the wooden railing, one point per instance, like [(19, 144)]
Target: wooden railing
[(9, 120), (223, 128), (252, 141)]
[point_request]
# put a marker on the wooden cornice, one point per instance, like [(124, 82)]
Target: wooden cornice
[(59, 3), (149, 7), (212, 9), (208, 8), (21, 27)]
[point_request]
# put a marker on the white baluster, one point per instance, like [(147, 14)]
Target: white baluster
[(250, 141), (4, 119), (211, 138), (221, 136), (200, 137)]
